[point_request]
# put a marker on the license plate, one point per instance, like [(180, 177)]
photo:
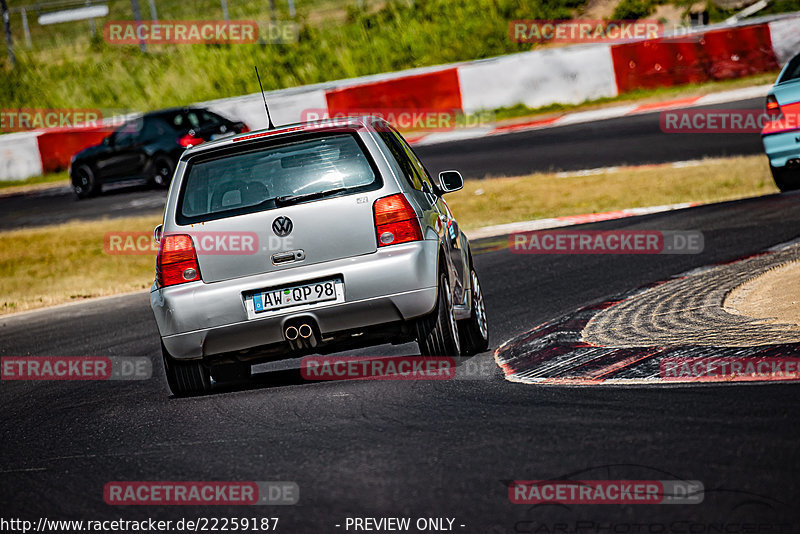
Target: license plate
[(305, 295)]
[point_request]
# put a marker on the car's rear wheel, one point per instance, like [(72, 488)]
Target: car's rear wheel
[(231, 372), (786, 179), (474, 331), (161, 171), (189, 377), (84, 182), (437, 333)]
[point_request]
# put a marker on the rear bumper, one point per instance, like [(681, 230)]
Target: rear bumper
[(393, 284), (782, 147)]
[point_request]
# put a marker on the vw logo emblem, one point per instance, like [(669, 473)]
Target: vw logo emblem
[(282, 226)]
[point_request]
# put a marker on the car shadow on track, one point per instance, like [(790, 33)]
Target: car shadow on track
[(321, 369)]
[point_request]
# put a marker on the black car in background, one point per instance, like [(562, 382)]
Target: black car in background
[(147, 147)]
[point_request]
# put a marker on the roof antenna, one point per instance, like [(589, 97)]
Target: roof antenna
[(269, 119)]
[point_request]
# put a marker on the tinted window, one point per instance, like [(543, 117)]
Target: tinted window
[(251, 181), (193, 119), (153, 129), (419, 169), (209, 119), (792, 71), (401, 156), (197, 118), (178, 121), (128, 132)]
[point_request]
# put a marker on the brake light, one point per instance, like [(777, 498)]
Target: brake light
[(269, 132), (177, 261), (395, 221), (773, 108), (190, 140)]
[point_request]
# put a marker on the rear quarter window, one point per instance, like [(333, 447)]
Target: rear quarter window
[(792, 71), (412, 176), (246, 182)]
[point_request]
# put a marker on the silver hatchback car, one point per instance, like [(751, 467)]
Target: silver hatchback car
[(310, 238)]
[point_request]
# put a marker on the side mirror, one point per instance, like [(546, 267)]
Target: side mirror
[(450, 181), (158, 233)]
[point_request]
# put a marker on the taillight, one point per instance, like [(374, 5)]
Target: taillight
[(395, 221), (190, 140), (773, 108), (177, 261), (244, 129)]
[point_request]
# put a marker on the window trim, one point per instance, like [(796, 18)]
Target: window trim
[(393, 140), (184, 220), (796, 61)]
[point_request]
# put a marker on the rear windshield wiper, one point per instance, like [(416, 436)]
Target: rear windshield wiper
[(294, 199)]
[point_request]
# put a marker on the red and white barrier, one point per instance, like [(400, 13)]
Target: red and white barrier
[(567, 75), (695, 58), (285, 106), (57, 146), (431, 90), (785, 36), (19, 156)]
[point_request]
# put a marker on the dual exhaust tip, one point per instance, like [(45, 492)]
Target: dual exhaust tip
[(304, 331)]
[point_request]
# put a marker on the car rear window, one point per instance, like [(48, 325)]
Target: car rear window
[(792, 71), (246, 182)]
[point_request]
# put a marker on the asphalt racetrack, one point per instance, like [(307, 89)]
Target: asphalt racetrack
[(632, 140), (419, 449)]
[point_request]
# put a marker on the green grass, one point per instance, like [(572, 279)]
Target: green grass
[(504, 200), (91, 74), (64, 263), (719, 14), (36, 180), (54, 36), (337, 39), (638, 9)]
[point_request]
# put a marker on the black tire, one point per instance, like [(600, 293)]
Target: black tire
[(185, 378), (437, 333), (786, 179), (161, 170), (84, 182), (474, 331), (229, 372)]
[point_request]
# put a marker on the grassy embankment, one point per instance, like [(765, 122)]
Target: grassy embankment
[(388, 37)]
